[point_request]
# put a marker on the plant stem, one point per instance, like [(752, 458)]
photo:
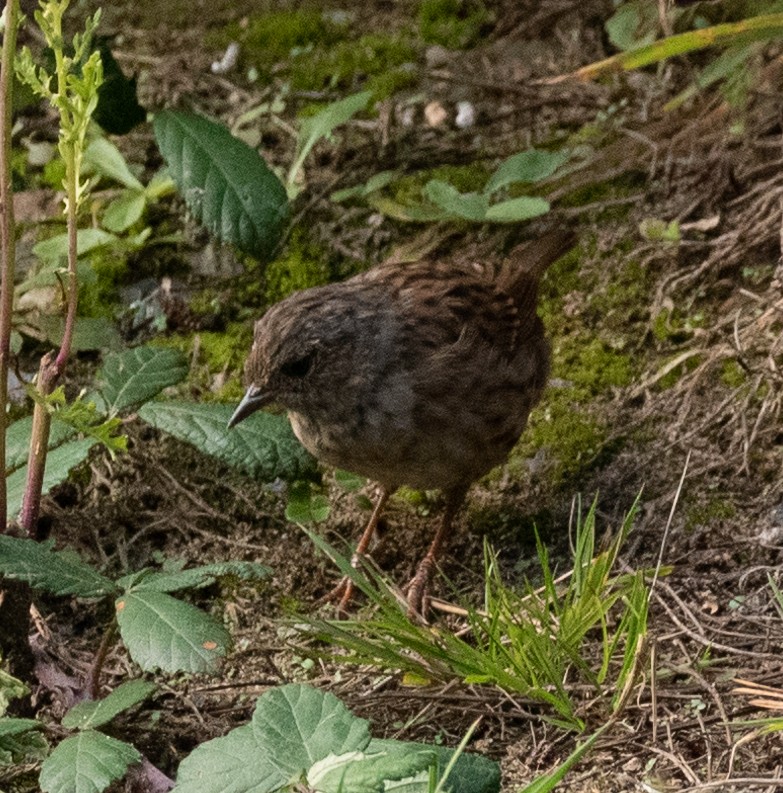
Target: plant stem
[(7, 228)]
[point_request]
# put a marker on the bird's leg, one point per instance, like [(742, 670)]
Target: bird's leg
[(417, 588), (344, 590)]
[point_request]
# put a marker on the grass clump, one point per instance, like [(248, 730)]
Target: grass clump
[(580, 636)]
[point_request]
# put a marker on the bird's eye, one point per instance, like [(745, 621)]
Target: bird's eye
[(298, 367)]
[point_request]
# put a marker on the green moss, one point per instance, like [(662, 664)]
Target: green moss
[(674, 327), (374, 61), (453, 23), (466, 178), (304, 264), (98, 295), (702, 514), (732, 374)]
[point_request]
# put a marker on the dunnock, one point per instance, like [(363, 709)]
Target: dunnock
[(416, 374)]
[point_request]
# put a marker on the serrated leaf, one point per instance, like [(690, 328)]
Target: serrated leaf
[(299, 725), (197, 577), (104, 158), (263, 445), (135, 376), (86, 763), (516, 209), (226, 184), (531, 165), (58, 572), (162, 632), (471, 206), (102, 711), (231, 764), (59, 463)]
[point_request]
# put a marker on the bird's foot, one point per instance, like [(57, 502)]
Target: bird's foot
[(417, 591)]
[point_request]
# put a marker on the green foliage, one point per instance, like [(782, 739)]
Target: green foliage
[(263, 445), (159, 631), (20, 741), (529, 643), (491, 204), (96, 713), (299, 735), (225, 183), (306, 504), (453, 23)]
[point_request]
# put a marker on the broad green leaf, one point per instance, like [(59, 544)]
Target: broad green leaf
[(104, 158), (348, 481), (86, 763), (134, 376), (471, 206), (59, 463), (55, 249), (232, 764), (299, 725), (366, 772), (321, 125), (124, 211), (58, 572), (516, 209), (634, 24), (85, 715), (9, 726), (227, 185), (263, 445), (196, 577), (90, 333), (531, 165), (162, 632)]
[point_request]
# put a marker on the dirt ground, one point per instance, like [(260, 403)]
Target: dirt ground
[(675, 349)]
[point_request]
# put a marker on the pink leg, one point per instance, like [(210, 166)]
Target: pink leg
[(344, 590), (417, 589)]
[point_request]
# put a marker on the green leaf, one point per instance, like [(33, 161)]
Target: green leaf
[(124, 211), (104, 158), (197, 577), (367, 772), (85, 715), (299, 725), (226, 184), (516, 209), (472, 206), (410, 213), (263, 445), (162, 632), (18, 440), (320, 126), (135, 376), (305, 506), (59, 463), (634, 24), (86, 763), (55, 249), (231, 764), (348, 481), (10, 726), (58, 572), (90, 333), (376, 182), (532, 165)]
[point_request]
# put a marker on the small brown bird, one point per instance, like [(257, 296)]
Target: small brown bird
[(416, 374)]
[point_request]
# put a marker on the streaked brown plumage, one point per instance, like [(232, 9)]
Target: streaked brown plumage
[(416, 374)]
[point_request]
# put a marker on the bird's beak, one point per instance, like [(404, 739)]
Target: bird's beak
[(253, 399)]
